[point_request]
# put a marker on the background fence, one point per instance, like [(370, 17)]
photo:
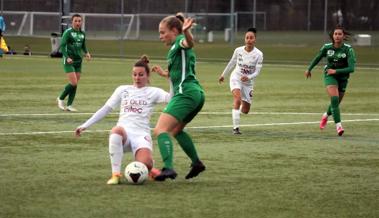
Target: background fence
[(135, 19)]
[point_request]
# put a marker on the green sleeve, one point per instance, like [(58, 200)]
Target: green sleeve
[(350, 63), (64, 41), (317, 59)]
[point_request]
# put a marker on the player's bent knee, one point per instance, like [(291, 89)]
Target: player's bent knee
[(237, 103), (245, 111), (118, 130), (144, 155)]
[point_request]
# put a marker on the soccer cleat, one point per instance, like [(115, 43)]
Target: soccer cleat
[(323, 122), (166, 173), (71, 108), (154, 172), (115, 179), (340, 130), (61, 104), (196, 169), (236, 131)]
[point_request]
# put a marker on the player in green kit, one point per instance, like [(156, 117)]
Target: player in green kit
[(188, 98), (72, 45), (340, 64)]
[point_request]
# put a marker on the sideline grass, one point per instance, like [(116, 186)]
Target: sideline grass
[(269, 171)]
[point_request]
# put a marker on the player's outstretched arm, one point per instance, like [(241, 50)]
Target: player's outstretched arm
[(188, 42), (158, 69), (96, 117)]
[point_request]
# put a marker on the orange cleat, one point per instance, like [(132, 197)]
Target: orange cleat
[(154, 172)]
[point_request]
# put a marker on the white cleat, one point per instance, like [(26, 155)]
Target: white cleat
[(61, 104), (71, 108)]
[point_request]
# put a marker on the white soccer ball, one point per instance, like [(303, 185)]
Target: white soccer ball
[(136, 172)]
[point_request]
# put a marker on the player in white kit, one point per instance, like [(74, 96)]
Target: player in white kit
[(132, 132), (246, 64)]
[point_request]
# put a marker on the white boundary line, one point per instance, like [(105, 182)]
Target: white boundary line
[(273, 63), (192, 127), (201, 113)]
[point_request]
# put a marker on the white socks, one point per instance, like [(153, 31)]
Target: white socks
[(236, 118), (338, 125), (116, 152)]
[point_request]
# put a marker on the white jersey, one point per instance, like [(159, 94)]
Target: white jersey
[(244, 63), (136, 105)]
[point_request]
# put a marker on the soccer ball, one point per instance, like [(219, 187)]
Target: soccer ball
[(136, 172)]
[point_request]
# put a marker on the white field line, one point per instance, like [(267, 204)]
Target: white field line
[(201, 113), (193, 127), (281, 64)]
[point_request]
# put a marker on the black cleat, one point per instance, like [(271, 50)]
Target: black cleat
[(166, 173), (236, 131), (196, 169)]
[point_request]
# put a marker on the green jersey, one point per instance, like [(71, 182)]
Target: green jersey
[(73, 43), (341, 59), (181, 67)]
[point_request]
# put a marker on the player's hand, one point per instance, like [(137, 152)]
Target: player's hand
[(88, 56), (244, 78), (69, 60), (221, 79), (331, 71), (307, 74), (187, 24), (78, 131), (158, 69)]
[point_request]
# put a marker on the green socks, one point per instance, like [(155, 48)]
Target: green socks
[(329, 111), (67, 90), (187, 145), (71, 96), (335, 109), (166, 149)]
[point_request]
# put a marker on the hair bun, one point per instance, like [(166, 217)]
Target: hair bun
[(180, 16), (145, 59), (252, 29)]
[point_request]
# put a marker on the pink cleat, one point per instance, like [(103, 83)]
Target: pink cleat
[(340, 130), (323, 122)]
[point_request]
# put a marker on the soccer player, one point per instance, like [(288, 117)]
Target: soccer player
[(2, 29), (246, 64), (340, 64), (188, 99), (72, 44), (132, 132)]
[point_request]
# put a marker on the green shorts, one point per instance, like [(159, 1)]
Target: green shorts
[(184, 107), (340, 82), (76, 66)]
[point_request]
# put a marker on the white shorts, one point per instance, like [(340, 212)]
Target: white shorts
[(137, 140), (245, 88)]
